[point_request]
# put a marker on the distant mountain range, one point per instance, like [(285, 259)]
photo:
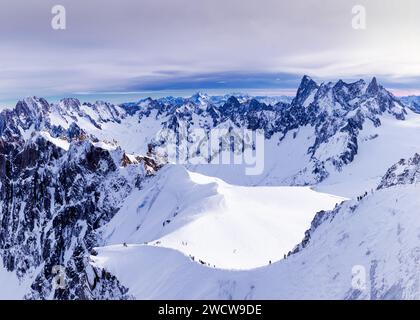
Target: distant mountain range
[(84, 189), (413, 102)]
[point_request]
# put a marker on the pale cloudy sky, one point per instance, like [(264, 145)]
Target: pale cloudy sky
[(140, 45)]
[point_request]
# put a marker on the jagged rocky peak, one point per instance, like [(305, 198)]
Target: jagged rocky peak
[(373, 87), (307, 82), (29, 112), (231, 106), (341, 97), (199, 98), (107, 111), (254, 104), (306, 88), (70, 104), (233, 101), (74, 132), (406, 171), (32, 107), (349, 90)]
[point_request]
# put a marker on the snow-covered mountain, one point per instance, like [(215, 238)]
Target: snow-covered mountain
[(231, 227), (307, 141), (366, 248), (86, 188)]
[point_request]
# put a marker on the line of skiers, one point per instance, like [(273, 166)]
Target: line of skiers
[(202, 262), (362, 196)]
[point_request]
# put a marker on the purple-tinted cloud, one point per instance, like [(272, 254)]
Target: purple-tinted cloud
[(154, 44)]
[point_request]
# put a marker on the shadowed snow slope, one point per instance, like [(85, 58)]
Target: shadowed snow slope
[(379, 148), (222, 225), (377, 238)]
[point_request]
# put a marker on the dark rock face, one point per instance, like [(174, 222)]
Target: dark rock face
[(319, 218), (336, 111), (406, 171), (306, 88), (53, 202), (52, 205)]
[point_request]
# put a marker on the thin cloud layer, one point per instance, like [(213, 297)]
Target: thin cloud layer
[(131, 45)]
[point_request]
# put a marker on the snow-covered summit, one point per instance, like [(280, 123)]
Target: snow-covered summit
[(77, 176), (406, 171), (366, 248)]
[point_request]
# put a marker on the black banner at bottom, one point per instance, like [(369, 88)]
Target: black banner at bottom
[(180, 309)]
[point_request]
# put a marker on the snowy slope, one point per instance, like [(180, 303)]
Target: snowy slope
[(379, 148), (365, 249), (281, 161), (223, 225)]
